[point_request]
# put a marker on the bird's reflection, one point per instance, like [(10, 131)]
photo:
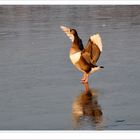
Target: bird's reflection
[(86, 112)]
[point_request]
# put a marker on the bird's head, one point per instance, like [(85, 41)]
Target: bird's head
[(71, 33)]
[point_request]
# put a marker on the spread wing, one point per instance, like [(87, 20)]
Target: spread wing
[(93, 49)]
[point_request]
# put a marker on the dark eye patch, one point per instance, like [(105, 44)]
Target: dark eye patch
[(71, 30)]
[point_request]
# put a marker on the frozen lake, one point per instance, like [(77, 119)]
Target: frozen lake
[(38, 84)]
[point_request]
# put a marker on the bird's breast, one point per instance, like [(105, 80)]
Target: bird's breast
[(75, 57)]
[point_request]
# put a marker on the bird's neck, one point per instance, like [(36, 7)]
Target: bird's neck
[(75, 46), (74, 49)]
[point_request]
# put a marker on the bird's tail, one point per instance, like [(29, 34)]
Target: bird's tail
[(96, 69)]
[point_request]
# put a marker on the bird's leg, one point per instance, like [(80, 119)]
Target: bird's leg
[(85, 78)]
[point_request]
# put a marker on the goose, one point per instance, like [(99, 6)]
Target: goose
[(84, 58)]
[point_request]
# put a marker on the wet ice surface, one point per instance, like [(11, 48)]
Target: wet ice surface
[(38, 84)]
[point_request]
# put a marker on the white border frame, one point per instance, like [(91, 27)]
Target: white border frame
[(70, 135), (70, 2)]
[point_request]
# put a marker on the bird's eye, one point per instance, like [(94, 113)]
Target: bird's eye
[(71, 30)]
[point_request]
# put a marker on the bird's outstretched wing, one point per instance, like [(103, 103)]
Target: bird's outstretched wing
[(93, 49)]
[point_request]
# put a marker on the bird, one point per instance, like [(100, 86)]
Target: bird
[(84, 58)]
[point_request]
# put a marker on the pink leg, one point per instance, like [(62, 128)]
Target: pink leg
[(85, 78)]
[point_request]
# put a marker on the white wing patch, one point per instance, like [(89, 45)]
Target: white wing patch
[(97, 40), (75, 57), (68, 33)]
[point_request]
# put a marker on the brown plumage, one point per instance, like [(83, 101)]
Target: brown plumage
[(84, 59)]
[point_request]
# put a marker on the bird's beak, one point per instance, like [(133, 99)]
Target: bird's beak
[(68, 33), (65, 29)]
